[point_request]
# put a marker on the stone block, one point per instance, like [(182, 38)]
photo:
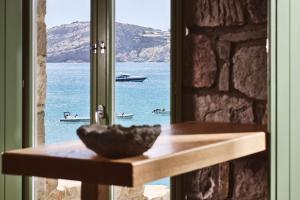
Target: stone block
[(145, 192), (224, 48), (258, 10), (40, 128), (157, 192), (65, 190), (224, 172), (202, 184), (45, 189), (250, 176), (250, 71), (41, 78), (200, 62), (68, 190), (41, 39), (41, 82), (209, 183), (213, 13), (224, 77), (223, 108), (126, 193), (41, 9)]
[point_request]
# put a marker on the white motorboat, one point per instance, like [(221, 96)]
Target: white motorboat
[(125, 115), (68, 117), (128, 77), (161, 111)]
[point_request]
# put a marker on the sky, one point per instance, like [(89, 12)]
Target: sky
[(149, 13)]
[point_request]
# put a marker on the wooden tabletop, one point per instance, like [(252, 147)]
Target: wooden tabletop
[(181, 148)]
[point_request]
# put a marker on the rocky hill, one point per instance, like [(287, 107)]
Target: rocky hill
[(70, 43)]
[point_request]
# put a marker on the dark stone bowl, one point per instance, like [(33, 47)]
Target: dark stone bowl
[(117, 141)]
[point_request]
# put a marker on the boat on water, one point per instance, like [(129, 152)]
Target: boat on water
[(161, 111), (125, 115), (68, 117), (128, 77)]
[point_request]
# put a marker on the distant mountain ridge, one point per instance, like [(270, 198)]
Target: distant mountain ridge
[(71, 43)]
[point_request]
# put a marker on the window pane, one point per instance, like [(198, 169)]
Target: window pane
[(142, 67)]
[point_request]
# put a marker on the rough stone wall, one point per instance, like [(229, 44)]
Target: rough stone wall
[(225, 80), (41, 76), (44, 187)]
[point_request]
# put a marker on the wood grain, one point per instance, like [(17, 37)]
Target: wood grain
[(181, 148)]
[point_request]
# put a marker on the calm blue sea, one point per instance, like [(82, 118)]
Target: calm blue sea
[(68, 89)]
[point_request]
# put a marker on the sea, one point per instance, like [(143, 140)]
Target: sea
[(68, 90)]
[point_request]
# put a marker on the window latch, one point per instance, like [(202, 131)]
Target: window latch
[(98, 45)]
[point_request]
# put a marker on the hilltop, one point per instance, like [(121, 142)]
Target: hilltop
[(70, 43)]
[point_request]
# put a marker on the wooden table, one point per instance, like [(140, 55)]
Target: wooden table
[(180, 149)]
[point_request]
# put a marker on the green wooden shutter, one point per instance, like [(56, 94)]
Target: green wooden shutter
[(283, 104), (273, 95), (11, 89), (285, 99), (2, 78), (295, 100)]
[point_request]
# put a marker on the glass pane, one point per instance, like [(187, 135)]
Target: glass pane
[(142, 67), (62, 81)]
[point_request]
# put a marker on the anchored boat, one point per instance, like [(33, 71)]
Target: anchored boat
[(128, 77), (125, 116), (161, 111), (68, 117)]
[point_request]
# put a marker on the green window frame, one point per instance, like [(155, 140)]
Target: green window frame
[(2, 90), (295, 100), (10, 89), (285, 100)]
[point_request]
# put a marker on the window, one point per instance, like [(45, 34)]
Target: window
[(142, 68), (71, 80)]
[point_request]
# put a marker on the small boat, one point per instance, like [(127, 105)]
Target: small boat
[(128, 77), (68, 117), (161, 111), (125, 116)]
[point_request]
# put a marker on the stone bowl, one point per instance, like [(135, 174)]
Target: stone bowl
[(117, 141)]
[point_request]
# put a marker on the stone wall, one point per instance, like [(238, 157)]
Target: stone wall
[(40, 68), (43, 187), (225, 80)]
